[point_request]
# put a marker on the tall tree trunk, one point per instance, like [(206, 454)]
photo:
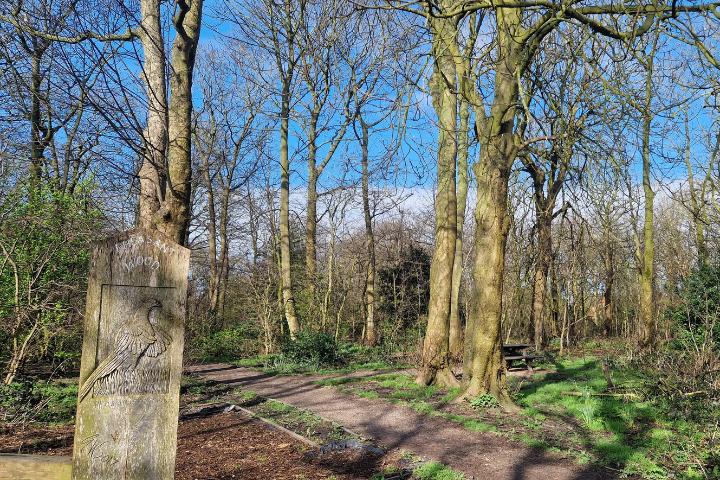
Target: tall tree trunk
[(286, 276), (152, 170), (608, 308), (176, 209), (484, 364), (647, 274), (214, 281), (370, 332), (456, 332), (224, 270), (311, 214), (311, 235), (556, 299), (37, 148), (275, 246), (543, 214), (646, 280), (436, 359)]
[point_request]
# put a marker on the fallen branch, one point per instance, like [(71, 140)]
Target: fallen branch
[(697, 392), (617, 395), (272, 424)]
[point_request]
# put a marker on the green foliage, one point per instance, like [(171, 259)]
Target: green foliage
[(38, 402), (698, 314), (46, 237), (409, 281), (225, 345), (685, 372), (351, 358), (312, 348), (630, 429), (484, 401), (357, 354), (436, 471)]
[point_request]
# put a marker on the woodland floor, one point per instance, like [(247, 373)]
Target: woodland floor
[(225, 446), (399, 428)]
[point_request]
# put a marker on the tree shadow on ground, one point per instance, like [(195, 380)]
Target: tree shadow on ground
[(616, 431)]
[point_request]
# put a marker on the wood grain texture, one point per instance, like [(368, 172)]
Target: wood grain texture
[(126, 423), (34, 467)]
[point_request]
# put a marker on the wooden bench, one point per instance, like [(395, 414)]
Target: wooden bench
[(527, 359), (518, 353)]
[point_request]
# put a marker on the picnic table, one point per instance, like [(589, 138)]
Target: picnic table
[(518, 352)]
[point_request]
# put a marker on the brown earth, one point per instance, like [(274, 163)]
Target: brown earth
[(478, 455), (222, 446)]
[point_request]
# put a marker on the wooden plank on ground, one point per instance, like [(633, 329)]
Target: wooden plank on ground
[(35, 467)]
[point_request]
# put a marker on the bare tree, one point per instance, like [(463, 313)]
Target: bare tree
[(273, 29)]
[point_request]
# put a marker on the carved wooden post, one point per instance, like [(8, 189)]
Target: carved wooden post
[(128, 399)]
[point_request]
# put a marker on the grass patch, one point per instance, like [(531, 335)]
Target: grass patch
[(415, 468), (302, 422), (436, 471), (632, 433), (402, 389), (571, 411)]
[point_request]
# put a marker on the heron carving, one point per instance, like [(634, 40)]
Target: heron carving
[(141, 336)]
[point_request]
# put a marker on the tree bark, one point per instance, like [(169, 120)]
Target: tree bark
[(286, 276), (311, 213), (370, 333), (214, 281), (456, 332), (542, 266), (484, 366), (224, 269), (608, 308), (37, 149), (152, 170), (435, 366), (175, 218), (647, 273)]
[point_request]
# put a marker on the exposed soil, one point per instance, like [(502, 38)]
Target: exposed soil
[(478, 455), (223, 446), (232, 446), (46, 440)]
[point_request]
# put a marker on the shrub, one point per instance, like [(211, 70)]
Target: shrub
[(697, 317), (484, 401), (45, 402), (224, 345), (315, 348), (685, 373), (46, 234)]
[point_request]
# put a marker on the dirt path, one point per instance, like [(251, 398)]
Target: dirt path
[(482, 456)]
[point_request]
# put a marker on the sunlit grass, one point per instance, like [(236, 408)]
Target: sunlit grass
[(436, 471), (618, 428)]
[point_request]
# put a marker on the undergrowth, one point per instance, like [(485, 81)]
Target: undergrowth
[(42, 402)]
